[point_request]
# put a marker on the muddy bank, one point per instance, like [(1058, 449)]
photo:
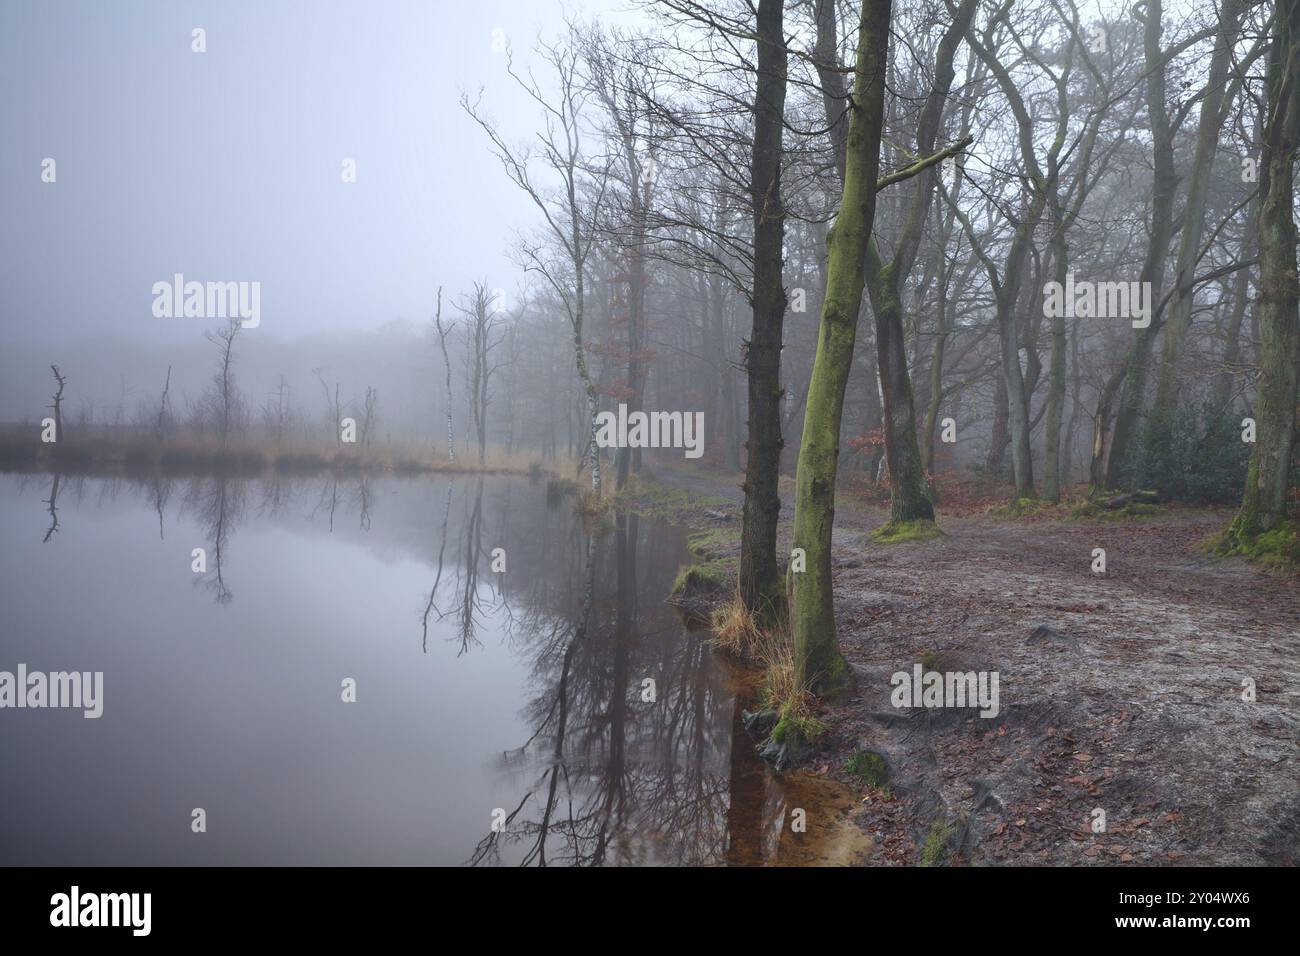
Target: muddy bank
[(800, 818), (1120, 693)]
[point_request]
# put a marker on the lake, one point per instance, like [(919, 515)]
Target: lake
[(522, 693)]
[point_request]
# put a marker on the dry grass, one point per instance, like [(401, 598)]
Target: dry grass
[(737, 633), (21, 449), (734, 630), (774, 651)]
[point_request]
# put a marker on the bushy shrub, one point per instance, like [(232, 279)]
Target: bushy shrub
[(1196, 455)]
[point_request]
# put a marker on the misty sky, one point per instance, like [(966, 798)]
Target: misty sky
[(226, 165)]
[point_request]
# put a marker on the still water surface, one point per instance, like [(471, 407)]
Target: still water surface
[(515, 696)]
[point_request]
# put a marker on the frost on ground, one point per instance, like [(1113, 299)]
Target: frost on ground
[(1120, 692)]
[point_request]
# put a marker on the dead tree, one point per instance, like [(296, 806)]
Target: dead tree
[(224, 400), (482, 338), (443, 333), (57, 404), (369, 415), (331, 405), (161, 421)]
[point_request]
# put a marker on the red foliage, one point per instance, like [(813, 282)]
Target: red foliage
[(868, 443)]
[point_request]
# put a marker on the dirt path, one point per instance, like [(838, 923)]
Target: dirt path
[(1128, 700)]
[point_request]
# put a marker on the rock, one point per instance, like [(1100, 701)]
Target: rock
[(785, 755), (717, 515), (758, 724), (1050, 637)]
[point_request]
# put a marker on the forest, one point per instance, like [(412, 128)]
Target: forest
[(961, 338)]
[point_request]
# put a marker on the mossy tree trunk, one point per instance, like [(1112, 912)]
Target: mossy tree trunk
[(819, 666), (909, 496), (1133, 376), (1263, 505), (1180, 308), (760, 573)]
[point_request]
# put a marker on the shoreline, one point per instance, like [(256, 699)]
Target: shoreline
[(245, 460), (1095, 678)]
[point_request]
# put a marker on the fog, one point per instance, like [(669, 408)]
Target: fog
[(227, 165)]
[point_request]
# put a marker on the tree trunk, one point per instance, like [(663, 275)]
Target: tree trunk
[(909, 491), (998, 437), (819, 666), (936, 376), (1022, 463), (1056, 378), (1071, 430), (760, 576), (1268, 476), (909, 496), (1164, 181), (1223, 382), (1198, 183)]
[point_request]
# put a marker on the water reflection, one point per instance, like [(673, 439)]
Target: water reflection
[(219, 504), (616, 731), (160, 492), (631, 732), (53, 503)]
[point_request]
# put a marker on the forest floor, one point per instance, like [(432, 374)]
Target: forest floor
[(1120, 692)]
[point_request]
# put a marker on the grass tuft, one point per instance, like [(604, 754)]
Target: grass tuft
[(871, 769), (1134, 511), (734, 629), (794, 702), (936, 844), (1022, 508), (896, 532), (694, 580)]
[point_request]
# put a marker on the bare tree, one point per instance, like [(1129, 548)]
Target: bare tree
[(332, 408), (161, 422), (569, 212), (443, 333), (369, 416), (483, 335), (623, 91), (57, 403), (223, 403)]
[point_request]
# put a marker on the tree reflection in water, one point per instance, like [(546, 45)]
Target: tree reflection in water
[(618, 779), (604, 775)]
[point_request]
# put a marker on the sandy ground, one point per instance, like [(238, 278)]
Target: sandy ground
[(1119, 692)]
